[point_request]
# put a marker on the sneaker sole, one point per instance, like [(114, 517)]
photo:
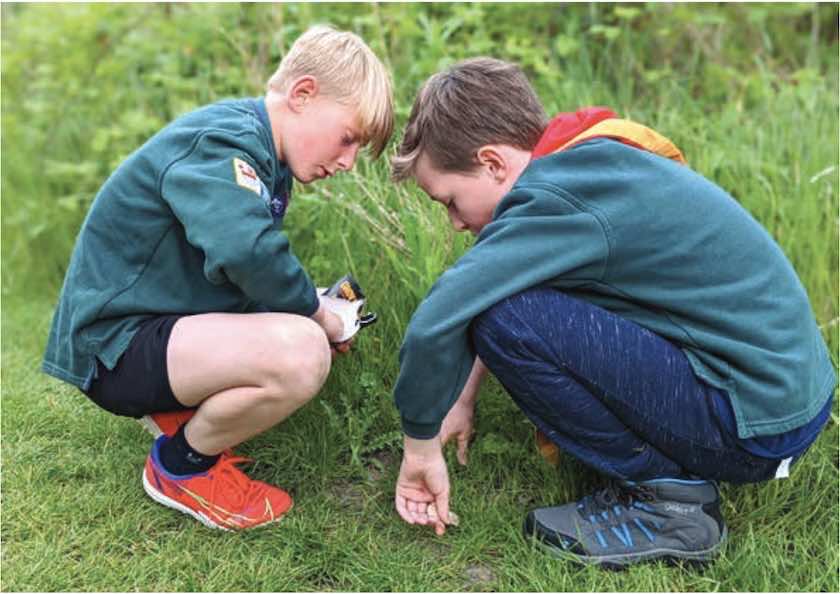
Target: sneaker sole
[(169, 502), (623, 561), (149, 425)]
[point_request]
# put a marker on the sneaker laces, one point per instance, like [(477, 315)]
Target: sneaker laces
[(235, 486), (614, 494)]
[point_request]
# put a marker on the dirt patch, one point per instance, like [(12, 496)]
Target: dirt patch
[(350, 495), (478, 576), (527, 500), (380, 463)]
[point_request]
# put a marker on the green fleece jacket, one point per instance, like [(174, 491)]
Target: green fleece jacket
[(647, 239), (189, 223)]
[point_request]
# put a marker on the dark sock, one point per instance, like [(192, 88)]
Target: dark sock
[(179, 458)]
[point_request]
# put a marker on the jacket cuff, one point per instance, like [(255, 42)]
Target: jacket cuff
[(311, 306), (420, 430)]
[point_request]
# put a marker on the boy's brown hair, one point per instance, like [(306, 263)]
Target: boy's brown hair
[(457, 111)]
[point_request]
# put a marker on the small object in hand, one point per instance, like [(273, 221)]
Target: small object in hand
[(431, 511), (347, 289)]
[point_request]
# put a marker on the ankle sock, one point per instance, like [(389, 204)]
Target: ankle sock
[(179, 458)]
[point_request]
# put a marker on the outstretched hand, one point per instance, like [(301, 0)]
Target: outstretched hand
[(423, 480)]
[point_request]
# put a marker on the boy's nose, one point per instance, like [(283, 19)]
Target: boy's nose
[(347, 158)]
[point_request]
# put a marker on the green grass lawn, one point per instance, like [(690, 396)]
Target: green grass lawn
[(75, 516)]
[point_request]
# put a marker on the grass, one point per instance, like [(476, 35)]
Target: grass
[(74, 513), (75, 516)]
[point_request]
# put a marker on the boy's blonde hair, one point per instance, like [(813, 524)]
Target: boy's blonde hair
[(347, 70), (457, 111)]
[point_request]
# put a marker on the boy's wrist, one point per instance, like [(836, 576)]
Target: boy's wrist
[(421, 448), (469, 394), (468, 398), (318, 316)]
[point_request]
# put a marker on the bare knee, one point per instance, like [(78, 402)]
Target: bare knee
[(301, 362)]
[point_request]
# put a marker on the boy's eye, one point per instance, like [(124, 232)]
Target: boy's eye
[(347, 140)]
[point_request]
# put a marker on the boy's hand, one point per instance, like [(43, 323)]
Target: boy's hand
[(332, 324), (423, 480), (459, 423), (347, 312)]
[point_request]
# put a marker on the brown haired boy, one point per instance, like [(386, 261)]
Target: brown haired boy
[(639, 317)]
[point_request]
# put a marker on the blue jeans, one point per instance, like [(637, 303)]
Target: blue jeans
[(618, 397)]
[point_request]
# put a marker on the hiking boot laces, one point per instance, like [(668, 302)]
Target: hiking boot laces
[(613, 495)]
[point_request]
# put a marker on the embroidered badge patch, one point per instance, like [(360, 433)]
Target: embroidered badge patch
[(246, 176), (278, 206)]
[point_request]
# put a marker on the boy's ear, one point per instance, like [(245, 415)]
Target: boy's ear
[(493, 162), (302, 90)]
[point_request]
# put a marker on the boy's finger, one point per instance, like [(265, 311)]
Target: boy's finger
[(440, 528), (402, 511), (442, 507), (340, 347), (463, 443), (344, 346)]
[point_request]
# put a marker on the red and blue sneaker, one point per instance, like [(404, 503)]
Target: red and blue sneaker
[(223, 497)]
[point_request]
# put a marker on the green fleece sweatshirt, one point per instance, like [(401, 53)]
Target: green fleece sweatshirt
[(647, 239), (189, 223)]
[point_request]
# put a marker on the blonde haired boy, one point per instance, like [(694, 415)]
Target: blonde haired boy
[(183, 302)]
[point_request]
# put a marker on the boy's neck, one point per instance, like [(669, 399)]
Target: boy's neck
[(515, 160), (518, 160), (274, 106)]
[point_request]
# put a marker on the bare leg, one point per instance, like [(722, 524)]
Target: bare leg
[(244, 372)]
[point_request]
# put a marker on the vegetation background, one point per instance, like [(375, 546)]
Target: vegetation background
[(749, 92)]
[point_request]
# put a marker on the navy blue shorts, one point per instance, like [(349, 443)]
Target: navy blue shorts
[(139, 384)]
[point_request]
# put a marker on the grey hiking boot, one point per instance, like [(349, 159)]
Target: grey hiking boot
[(632, 522)]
